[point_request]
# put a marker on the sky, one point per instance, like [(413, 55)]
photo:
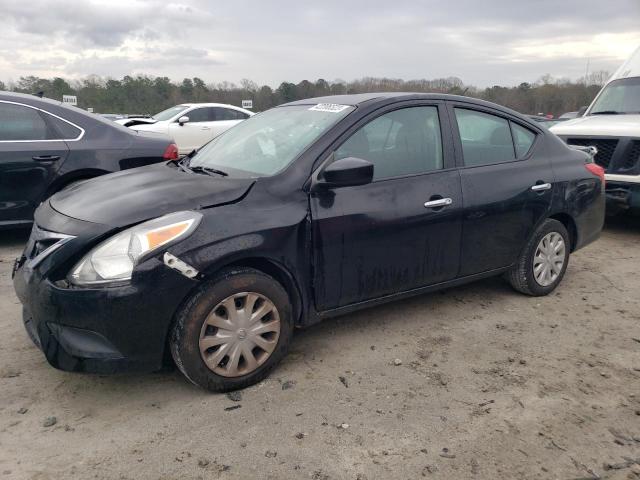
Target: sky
[(483, 42)]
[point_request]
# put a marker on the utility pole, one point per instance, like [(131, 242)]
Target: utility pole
[(586, 73)]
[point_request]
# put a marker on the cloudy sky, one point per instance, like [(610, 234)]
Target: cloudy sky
[(484, 42)]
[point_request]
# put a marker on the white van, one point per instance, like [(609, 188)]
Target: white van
[(612, 124)]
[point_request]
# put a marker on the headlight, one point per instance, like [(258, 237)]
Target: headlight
[(113, 260)]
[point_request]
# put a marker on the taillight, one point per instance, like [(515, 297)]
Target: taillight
[(171, 152), (597, 170)]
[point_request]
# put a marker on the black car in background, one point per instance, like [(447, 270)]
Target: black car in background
[(306, 211), (45, 146)]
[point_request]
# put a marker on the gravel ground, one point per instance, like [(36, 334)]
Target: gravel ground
[(472, 382)]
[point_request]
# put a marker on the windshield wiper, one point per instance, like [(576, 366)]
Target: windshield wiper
[(208, 170)]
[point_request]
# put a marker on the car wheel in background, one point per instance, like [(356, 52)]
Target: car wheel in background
[(232, 331), (543, 261)]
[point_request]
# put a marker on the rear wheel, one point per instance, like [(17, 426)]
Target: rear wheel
[(543, 262), (233, 331)]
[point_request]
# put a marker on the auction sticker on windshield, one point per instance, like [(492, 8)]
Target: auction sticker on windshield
[(328, 107)]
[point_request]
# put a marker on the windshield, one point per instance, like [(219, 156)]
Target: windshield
[(619, 96), (169, 113), (266, 143)]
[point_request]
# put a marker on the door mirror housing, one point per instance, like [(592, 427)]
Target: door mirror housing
[(346, 172), (581, 111), (183, 119)]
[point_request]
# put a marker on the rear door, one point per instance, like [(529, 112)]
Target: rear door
[(32, 149), (507, 184), (380, 239)]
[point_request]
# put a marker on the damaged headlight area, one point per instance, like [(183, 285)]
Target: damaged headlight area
[(114, 259)]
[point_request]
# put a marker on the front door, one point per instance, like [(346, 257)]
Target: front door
[(196, 132), (29, 158), (379, 239)]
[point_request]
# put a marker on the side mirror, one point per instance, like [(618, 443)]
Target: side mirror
[(346, 172), (581, 111), (182, 120)]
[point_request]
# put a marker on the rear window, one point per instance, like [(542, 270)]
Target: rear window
[(229, 114), (18, 122), (486, 138)]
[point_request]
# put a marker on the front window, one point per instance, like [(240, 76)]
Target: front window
[(398, 143), (169, 113), (618, 97), (266, 143)]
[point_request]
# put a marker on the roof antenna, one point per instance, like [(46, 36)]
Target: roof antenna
[(39, 94)]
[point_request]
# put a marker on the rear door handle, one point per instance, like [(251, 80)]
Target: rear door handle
[(539, 187), (46, 158), (206, 128), (441, 202)]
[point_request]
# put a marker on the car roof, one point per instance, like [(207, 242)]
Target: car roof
[(390, 97), (28, 99), (207, 105)]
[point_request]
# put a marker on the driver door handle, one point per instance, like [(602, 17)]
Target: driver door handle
[(206, 128), (46, 158), (441, 202), (539, 187)]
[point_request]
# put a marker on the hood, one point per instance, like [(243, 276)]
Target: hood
[(139, 194), (600, 125)]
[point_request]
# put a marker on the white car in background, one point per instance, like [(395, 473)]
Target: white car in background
[(191, 125)]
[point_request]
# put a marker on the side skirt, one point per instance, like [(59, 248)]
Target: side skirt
[(400, 295)]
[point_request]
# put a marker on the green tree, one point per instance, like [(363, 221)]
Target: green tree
[(287, 92)]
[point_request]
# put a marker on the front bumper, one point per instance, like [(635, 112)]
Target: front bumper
[(99, 330), (623, 197)]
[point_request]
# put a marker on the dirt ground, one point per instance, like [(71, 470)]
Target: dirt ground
[(474, 382)]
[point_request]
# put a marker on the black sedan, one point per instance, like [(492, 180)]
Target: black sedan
[(309, 210), (46, 146)]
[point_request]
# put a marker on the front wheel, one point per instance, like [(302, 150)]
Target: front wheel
[(543, 261), (232, 331)]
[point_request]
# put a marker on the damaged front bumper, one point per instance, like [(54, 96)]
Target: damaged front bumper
[(623, 197), (106, 329)]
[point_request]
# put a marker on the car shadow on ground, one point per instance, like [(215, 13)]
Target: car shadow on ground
[(398, 315), (623, 224)]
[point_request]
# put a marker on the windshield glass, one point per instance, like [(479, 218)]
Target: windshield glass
[(620, 96), (169, 113), (266, 143)]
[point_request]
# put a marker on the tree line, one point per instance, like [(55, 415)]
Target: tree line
[(144, 94)]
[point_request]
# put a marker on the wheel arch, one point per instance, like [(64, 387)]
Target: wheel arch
[(274, 269), (570, 224)]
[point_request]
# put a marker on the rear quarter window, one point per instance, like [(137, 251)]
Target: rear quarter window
[(523, 139), (61, 129)]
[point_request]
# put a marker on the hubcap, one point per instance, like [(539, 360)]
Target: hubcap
[(549, 259), (239, 334)]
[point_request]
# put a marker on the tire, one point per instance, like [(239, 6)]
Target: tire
[(522, 276), (238, 287)]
